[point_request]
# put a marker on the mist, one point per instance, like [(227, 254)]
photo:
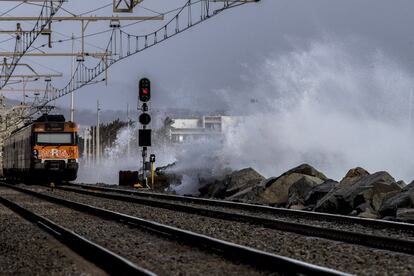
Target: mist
[(115, 159), (334, 104)]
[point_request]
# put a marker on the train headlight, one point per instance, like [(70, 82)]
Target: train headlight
[(35, 153)]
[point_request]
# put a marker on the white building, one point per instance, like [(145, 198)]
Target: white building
[(186, 129)]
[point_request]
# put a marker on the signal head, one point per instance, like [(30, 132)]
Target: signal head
[(144, 119), (144, 90)]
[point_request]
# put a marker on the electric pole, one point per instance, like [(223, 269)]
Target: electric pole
[(72, 107), (129, 133), (97, 133)]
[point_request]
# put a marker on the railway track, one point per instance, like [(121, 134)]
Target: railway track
[(254, 208), (26, 249), (382, 241), (102, 257), (262, 262)]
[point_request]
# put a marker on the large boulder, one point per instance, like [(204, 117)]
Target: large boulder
[(299, 190), (365, 210), (277, 190), (371, 189), (242, 179), (332, 202), (231, 184), (306, 169), (405, 214), (248, 195), (352, 176), (319, 191), (398, 200), (212, 188)]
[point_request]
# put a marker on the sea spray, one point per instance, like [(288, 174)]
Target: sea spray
[(331, 105), (328, 105), (117, 158)]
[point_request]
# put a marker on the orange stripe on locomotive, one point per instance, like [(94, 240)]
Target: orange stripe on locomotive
[(53, 152)]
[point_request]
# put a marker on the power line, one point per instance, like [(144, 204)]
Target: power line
[(12, 9), (122, 49), (94, 10), (27, 39), (122, 27)]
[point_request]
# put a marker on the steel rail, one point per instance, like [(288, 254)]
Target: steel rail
[(374, 223), (256, 258), (379, 242), (102, 257)]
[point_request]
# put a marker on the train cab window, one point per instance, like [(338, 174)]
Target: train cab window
[(54, 138)]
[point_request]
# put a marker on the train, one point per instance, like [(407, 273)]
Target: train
[(43, 150)]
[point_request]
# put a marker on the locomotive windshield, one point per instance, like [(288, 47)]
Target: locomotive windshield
[(54, 138)]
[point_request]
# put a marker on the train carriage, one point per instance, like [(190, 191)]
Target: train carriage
[(46, 149)]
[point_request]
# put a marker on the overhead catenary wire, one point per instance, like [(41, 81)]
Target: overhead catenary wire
[(11, 9), (122, 27), (83, 74), (25, 41)]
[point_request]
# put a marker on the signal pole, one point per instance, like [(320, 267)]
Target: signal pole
[(97, 133), (144, 95), (72, 108), (93, 146), (129, 131), (85, 146)]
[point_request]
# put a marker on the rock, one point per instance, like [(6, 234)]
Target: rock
[(214, 188), (277, 191), (297, 207), (366, 211), (368, 214), (402, 184), (231, 184), (371, 188), (352, 176), (299, 190), (319, 191), (408, 187), (405, 214), (401, 200), (243, 179), (306, 170), (248, 195), (378, 198), (164, 181), (368, 188)]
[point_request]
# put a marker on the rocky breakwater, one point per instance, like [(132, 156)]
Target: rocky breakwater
[(359, 193)]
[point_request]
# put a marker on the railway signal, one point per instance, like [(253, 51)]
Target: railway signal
[(144, 134), (144, 90), (144, 119), (144, 138), (152, 161)]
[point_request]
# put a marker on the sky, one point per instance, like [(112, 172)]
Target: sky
[(222, 53)]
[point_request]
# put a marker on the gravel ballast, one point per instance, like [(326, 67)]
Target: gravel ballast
[(153, 252), (352, 227), (26, 249), (341, 256)]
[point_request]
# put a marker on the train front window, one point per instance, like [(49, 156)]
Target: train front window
[(54, 139)]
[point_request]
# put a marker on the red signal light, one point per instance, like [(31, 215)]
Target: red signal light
[(144, 90)]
